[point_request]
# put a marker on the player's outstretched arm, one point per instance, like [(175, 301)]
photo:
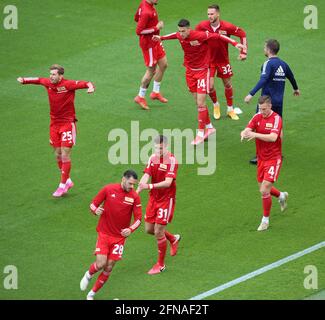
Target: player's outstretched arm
[(35, 80)]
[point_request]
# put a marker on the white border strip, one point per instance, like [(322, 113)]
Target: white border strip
[(258, 272)]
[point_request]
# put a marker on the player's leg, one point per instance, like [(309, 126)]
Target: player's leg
[(159, 232), (102, 278), (99, 264), (173, 239), (67, 133), (205, 127), (151, 64), (149, 228), (213, 95), (265, 190), (229, 97), (58, 157), (162, 66)]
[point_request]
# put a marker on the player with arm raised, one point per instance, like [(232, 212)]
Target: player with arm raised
[(266, 128), (154, 54), (115, 204), (195, 45), (162, 169), (61, 93), (219, 57)]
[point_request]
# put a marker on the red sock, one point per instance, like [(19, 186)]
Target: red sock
[(170, 237), (267, 204), (65, 172), (206, 116), (213, 95), (162, 248), (93, 269), (201, 117), (59, 162), (275, 192), (102, 278), (229, 96)]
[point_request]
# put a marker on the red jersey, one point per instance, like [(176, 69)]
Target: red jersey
[(118, 207), (61, 97), (159, 169), (196, 48), (273, 123), (147, 19), (219, 49)]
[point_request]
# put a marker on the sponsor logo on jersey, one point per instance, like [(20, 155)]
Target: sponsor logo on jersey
[(280, 72), (113, 195), (269, 125), (130, 200), (61, 89), (223, 32), (163, 166), (195, 43)]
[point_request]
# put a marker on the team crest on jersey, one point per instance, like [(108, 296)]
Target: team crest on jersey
[(195, 43), (269, 125)]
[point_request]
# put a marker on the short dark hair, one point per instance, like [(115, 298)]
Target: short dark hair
[(264, 99), (273, 45), (161, 139), (214, 6), (57, 67), (183, 23), (130, 173)]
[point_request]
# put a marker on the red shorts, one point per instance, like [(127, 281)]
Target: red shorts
[(198, 81), (152, 55), (223, 70), (109, 246), (63, 134), (160, 212), (268, 170)]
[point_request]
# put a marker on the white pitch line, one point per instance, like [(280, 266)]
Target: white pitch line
[(258, 272)]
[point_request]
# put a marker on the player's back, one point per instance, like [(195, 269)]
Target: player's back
[(146, 17)]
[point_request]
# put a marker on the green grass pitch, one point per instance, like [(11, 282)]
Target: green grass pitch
[(51, 241)]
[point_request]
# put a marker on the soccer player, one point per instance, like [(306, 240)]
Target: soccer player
[(162, 169), (153, 53), (196, 62), (266, 128), (61, 93), (219, 57), (115, 204), (274, 72)]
